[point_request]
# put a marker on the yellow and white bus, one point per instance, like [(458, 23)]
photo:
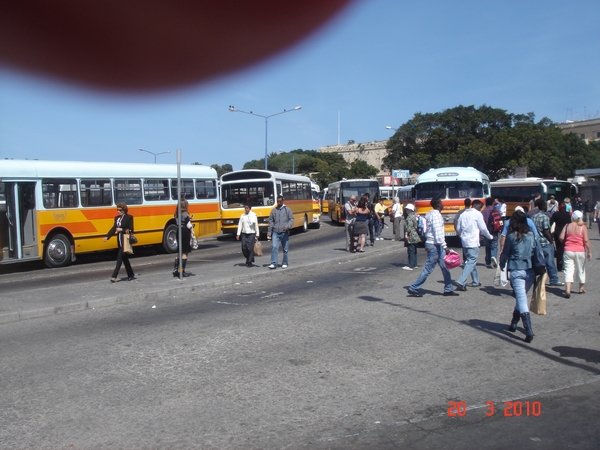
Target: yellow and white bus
[(260, 188), (55, 210), (452, 185), (339, 193), (316, 201), (520, 191)]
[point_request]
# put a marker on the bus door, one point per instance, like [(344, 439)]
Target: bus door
[(18, 240)]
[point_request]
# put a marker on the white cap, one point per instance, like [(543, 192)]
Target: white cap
[(519, 208), (577, 215), (410, 206)]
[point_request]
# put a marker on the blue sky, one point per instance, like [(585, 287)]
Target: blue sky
[(376, 64)]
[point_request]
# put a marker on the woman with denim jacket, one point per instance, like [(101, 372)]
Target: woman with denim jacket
[(517, 252)]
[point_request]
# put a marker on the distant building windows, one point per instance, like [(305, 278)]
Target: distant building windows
[(582, 135)]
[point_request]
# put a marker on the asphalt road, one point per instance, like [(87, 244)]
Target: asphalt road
[(322, 356)]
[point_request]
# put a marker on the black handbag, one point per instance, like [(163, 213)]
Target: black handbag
[(132, 239)]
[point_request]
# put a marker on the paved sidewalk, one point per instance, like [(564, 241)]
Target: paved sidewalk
[(81, 294)]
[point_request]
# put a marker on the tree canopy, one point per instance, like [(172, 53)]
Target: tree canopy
[(324, 168), (491, 140)]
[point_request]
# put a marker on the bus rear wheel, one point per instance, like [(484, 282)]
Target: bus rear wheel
[(57, 252), (170, 239), (305, 224)]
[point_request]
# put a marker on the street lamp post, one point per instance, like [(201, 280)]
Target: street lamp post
[(234, 109), (155, 154)]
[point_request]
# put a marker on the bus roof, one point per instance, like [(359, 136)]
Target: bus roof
[(451, 174), (12, 169), (258, 174), (528, 180)]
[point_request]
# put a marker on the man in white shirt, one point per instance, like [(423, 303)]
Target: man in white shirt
[(470, 224)]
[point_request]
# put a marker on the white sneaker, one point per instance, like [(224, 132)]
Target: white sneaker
[(494, 262), (284, 266), (407, 268), (272, 266)]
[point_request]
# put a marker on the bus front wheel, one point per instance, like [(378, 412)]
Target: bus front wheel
[(170, 239), (58, 251)]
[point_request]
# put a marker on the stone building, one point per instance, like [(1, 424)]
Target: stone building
[(588, 130), (370, 152)]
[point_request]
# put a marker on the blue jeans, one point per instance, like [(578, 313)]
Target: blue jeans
[(284, 238), (412, 255), (491, 249), (521, 281), (548, 251), (435, 255), (471, 254)]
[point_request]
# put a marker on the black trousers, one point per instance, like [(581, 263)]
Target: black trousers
[(247, 240), (122, 258)]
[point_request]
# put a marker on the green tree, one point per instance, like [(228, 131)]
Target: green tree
[(489, 139), (225, 168), (360, 169)]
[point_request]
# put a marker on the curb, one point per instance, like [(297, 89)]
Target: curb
[(154, 295)]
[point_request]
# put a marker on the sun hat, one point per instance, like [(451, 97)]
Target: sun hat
[(410, 206), (577, 215)]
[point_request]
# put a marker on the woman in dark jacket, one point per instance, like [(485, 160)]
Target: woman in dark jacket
[(185, 222), (559, 219), (517, 255), (123, 224)]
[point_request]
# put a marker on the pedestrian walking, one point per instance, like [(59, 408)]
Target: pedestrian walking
[(248, 232), (185, 223), (380, 213), (469, 227), (577, 248), (542, 224), (558, 221), (411, 236), (122, 226), (398, 218), (281, 221), (350, 213), (588, 209), (491, 245), (516, 256), (435, 245)]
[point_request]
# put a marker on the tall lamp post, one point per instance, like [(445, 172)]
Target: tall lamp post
[(234, 109), (155, 154)]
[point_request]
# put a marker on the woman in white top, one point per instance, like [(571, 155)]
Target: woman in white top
[(249, 232)]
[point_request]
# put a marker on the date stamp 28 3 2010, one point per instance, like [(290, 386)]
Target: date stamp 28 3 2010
[(510, 409)]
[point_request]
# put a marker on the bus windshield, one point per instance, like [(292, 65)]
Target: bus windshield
[(449, 190), (358, 188), (559, 189), (257, 193)]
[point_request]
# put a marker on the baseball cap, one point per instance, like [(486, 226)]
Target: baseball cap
[(519, 208), (577, 215), (410, 206)]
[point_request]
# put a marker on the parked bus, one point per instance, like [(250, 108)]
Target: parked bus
[(453, 185), (260, 188), (519, 191), (316, 202), (57, 209), (341, 191), (324, 201)]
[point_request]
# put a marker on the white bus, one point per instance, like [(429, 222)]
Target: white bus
[(260, 188), (316, 201), (55, 210), (452, 185)]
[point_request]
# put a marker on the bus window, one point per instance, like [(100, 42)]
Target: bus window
[(156, 190), (206, 189), (95, 193), (128, 191), (187, 189), (59, 193)]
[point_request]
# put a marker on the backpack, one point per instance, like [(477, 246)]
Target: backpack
[(421, 227), (494, 223)]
